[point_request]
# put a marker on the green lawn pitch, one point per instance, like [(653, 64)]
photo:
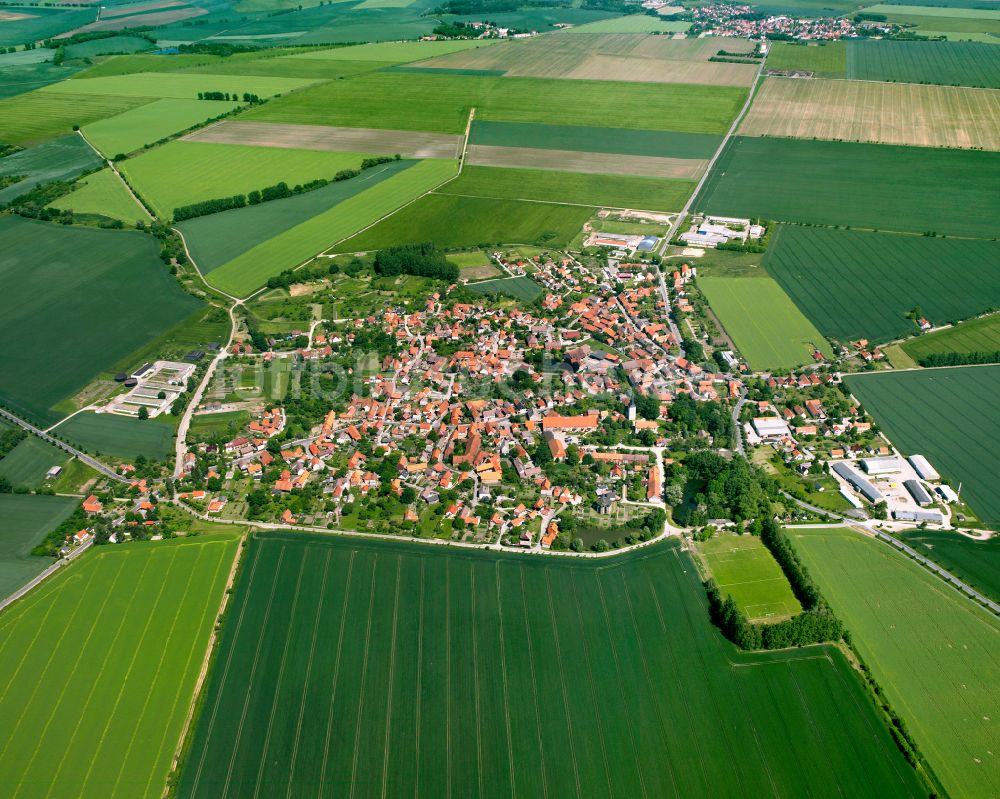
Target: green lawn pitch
[(38, 116), (974, 562), (381, 669), (25, 519), (178, 85), (148, 124), (932, 650), (950, 415), (976, 335), (99, 665), (912, 189), (27, 464), (76, 301), (763, 322), (745, 570), (121, 437), (103, 193), (452, 221), (855, 284)]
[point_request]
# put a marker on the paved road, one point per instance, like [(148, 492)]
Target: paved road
[(24, 589), (737, 431), (93, 463)]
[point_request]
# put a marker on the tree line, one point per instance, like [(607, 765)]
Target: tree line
[(959, 358), (422, 260), (248, 97)]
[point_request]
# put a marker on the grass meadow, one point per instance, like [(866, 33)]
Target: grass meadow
[(25, 519), (120, 437), (911, 189), (827, 60), (27, 464), (458, 221), (251, 269), (976, 335), (765, 324), (38, 116), (931, 649), (77, 300), (950, 63), (177, 85), (99, 666), (103, 193), (381, 669), (745, 570), (855, 284), (950, 415), (148, 124), (974, 562)]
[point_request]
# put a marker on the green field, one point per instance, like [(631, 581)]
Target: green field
[(222, 170), (982, 24), (60, 159), (451, 221), (977, 335), (932, 650), (520, 288), (635, 23), (913, 189), (617, 191), (380, 669), (974, 562), (217, 239), (40, 23), (826, 60), (950, 63), (103, 193), (745, 570), (121, 437), (394, 52), (251, 269), (763, 322), (25, 519), (37, 116), (227, 423), (579, 138), (950, 415), (55, 322), (99, 666), (855, 285), (148, 124), (418, 101), (27, 463), (470, 260), (178, 85), (112, 46)]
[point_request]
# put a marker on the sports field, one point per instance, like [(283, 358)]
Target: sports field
[(885, 113), (380, 669), (54, 320), (951, 63), (950, 415), (974, 562), (25, 519), (419, 101), (932, 650), (177, 85), (520, 288), (61, 159), (103, 193), (120, 437), (27, 464), (854, 284), (617, 191), (148, 124), (453, 221), (769, 330), (99, 666), (910, 189), (977, 335), (745, 570), (827, 60), (222, 170), (36, 116), (251, 269)]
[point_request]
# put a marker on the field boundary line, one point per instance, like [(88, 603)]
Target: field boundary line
[(534, 687), (503, 670), (110, 165), (420, 685), (550, 202), (364, 675), (392, 675), (562, 683), (305, 681), (475, 676), (447, 672)]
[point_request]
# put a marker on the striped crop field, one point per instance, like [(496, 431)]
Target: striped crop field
[(950, 63), (977, 335), (380, 669)]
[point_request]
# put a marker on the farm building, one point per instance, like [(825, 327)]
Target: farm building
[(770, 427), (918, 516), (918, 492), (879, 466), (923, 468), (857, 482), (947, 494)]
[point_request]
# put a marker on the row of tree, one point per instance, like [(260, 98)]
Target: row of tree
[(959, 358), (248, 97), (423, 260)]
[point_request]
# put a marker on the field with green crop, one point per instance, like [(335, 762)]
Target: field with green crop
[(950, 63), (227, 423), (121, 437), (974, 562), (217, 239), (911, 189), (25, 519), (150, 123), (394, 52), (55, 322), (99, 666), (520, 288), (415, 101), (635, 23), (60, 159), (112, 46), (38, 116), (853, 284), (617, 191), (384, 669), (27, 463), (957, 24), (976, 335), (763, 322), (39, 22), (579, 138), (745, 570), (451, 221), (103, 193), (931, 649), (950, 415), (222, 170), (251, 269), (827, 60), (177, 85)]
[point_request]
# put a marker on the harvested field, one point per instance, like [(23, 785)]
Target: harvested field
[(111, 12), (884, 113), (150, 123), (154, 18), (407, 143), (602, 67), (11, 16), (593, 163)]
